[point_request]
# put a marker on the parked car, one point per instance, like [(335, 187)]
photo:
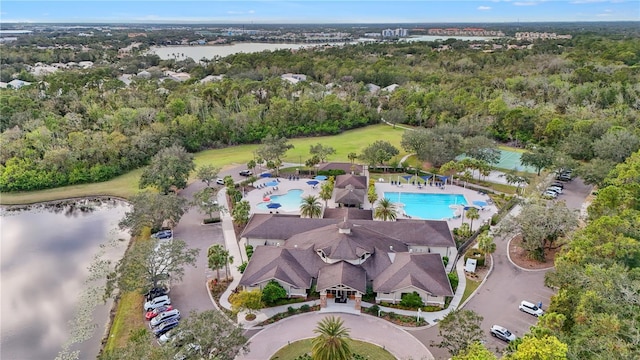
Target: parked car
[(156, 302), (166, 337), (153, 313), (530, 308), (246, 172), (549, 194), (502, 333), (220, 181), (555, 189), (164, 327), (155, 292), (163, 234), (164, 317), (559, 184)]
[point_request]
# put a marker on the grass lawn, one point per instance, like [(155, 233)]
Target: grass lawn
[(367, 350), (126, 185), (472, 285), (128, 318)]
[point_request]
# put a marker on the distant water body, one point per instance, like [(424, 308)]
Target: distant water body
[(198, 52), (46, 252)]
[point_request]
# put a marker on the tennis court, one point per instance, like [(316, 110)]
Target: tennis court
[(510, 160)]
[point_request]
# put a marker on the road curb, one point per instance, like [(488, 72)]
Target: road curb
[(520, 267), (481, 284)]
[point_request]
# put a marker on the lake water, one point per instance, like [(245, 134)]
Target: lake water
[(45, 255)]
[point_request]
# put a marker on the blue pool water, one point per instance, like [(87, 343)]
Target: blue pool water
[(289, 201), (427, 206)]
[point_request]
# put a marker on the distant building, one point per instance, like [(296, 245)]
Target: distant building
[(132, 35), (540, 35), (399, 32), (293, 78)]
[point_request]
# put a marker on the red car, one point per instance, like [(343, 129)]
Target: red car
[(153, 313)]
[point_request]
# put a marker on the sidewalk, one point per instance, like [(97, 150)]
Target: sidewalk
[(235, 249)]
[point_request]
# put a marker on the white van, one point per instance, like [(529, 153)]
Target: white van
[(164, 316), (157, 302), (530, 308)]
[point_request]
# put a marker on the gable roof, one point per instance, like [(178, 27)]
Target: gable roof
[(423, 271), (357, 181), (349, 196), (274, 262), (410, 232), (348, 213), (342, 273), (344, 166)]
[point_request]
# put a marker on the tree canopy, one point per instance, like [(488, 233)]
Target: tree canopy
[(152, 210), (169, 168)]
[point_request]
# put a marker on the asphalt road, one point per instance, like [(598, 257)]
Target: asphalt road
[(498, 299), (190, 294)]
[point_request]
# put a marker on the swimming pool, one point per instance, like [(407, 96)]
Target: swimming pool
[(427, 206), (290, 201)]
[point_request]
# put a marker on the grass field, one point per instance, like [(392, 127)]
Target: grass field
[(128, 318), (126, 185), (472, 285), (298, 348)]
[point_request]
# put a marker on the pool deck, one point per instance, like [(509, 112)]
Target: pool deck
[(256, 196)]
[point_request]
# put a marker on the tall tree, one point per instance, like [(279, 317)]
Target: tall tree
[(385, 210), (482, 148), (151, 210), (352, 157), (326, 191), (321, 151), (459, 330), (217, 258), (241, 212), (205, 200), (475, 351), (331, 342), (217, 337), (472, 214), (247, 300), (486, 243), (539, 348), (310, 207), (150, 261), (170, 167), (378, 153), (208, 174), (540, 224), (540, 158), (273, 149)]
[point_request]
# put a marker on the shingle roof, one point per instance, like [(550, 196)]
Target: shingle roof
[(274, 262), (348, 213), (410, 232), (349, 196), (346, 167), (342, 273), (357, 181), (423, 271)]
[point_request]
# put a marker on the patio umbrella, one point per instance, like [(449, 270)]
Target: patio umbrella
[(320, 177), (312, 182), (265, 175), (274, 206), (407, 177), (271, 183)]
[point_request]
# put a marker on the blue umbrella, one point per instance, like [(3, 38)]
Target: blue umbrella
[(312, 182), (320, 177), (272, 183), (274, 205), (265, 175)]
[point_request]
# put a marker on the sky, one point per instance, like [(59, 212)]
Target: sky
[(317, 11)]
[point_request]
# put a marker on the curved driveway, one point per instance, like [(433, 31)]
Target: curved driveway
[(498, 299), (362, 327)]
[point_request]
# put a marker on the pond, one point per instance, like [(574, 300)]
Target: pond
[(46, 253)]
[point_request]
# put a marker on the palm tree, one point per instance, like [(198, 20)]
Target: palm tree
[(326, 191), (217, 258), (331, 342), (310, 207), (386, 210), (486, 244), (472, 214)]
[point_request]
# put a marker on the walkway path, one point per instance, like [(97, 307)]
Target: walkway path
[(362, 327)]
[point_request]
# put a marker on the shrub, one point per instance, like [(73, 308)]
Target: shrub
[(412, 300), (305, 308), (249, 250), (445, 260), (453, 279), (474, 253), (373, 310), (291, 310), (333, 172), (211, 220), (273, 292), (242, 267)]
